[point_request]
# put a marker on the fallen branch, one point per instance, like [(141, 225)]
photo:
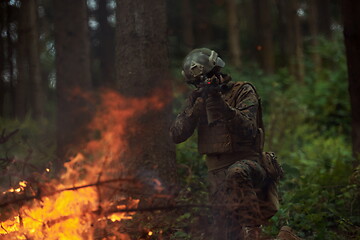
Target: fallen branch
[(40, 195), (4, 138)]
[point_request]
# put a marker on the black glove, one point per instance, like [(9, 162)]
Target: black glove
[(195, 104), (193, 96)]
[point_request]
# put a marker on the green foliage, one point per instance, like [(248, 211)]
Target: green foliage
[(318, 200), (308, 125), (28, 151), (192, 223)]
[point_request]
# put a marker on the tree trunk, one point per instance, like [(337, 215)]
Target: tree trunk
[(187, 24), (37, 95), (203, 30), (314, 34), (294, 40), (2, 56), (351, 19), (265, 34), (248, 19), (142, 67), (106, 48), (282, 35), (21, 100), (72, 75), (324, 17), (234, 33), (29, 93), (9, 61)]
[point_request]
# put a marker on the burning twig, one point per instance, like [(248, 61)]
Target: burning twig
[(40, 195), (4, 228)]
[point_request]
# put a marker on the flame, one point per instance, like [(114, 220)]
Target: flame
[(20, 188), (70, 207)]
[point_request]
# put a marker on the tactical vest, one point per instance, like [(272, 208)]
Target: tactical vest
[(225, 137)]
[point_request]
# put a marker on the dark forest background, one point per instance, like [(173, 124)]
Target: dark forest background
[(303, 56)]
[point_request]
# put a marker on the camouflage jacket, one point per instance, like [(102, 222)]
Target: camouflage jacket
[(235, 135)]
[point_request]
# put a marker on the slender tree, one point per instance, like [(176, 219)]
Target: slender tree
[(142, 67), (265, 34), (281, 33), (29, 92), (2, 56), (72, 74), (10, 12), (234, 33), (324, 17), (106, 48), (203, 28), (21, 103), (36, 95), (351, 20), (313, 23), (187, 24), (294, 40)]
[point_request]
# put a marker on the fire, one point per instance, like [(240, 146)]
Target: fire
[(73, 206), (20, 188)]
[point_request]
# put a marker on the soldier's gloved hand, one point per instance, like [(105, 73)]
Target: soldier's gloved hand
[(217, 109), (195, 104), (193, 96), (198, 106)]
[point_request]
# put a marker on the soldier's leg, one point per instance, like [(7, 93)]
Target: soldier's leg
[(242, 179), (217, 180)]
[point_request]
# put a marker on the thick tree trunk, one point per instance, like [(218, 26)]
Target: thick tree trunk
[(106, 48), (72, 74), (37, 95), (187, 24), (351, 19), (234, 33), (265, 34), (314, 34), (142, 67)]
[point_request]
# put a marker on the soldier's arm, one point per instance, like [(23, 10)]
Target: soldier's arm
[(186, 122), (246, 108)]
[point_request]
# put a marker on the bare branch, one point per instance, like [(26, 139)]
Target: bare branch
[(40, 195), (4, 138)]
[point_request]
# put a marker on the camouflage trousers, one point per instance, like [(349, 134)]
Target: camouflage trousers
[(233, 193)]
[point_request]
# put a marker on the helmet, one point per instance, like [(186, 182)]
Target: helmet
[(199, 62)]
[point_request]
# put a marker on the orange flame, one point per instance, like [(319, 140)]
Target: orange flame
[(67, 212)]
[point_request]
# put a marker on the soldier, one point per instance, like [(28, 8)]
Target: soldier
[(227, 115)]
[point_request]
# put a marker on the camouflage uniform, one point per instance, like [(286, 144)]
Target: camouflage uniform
[(232, 156)]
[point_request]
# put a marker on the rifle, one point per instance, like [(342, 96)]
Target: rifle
[(208, 86)]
